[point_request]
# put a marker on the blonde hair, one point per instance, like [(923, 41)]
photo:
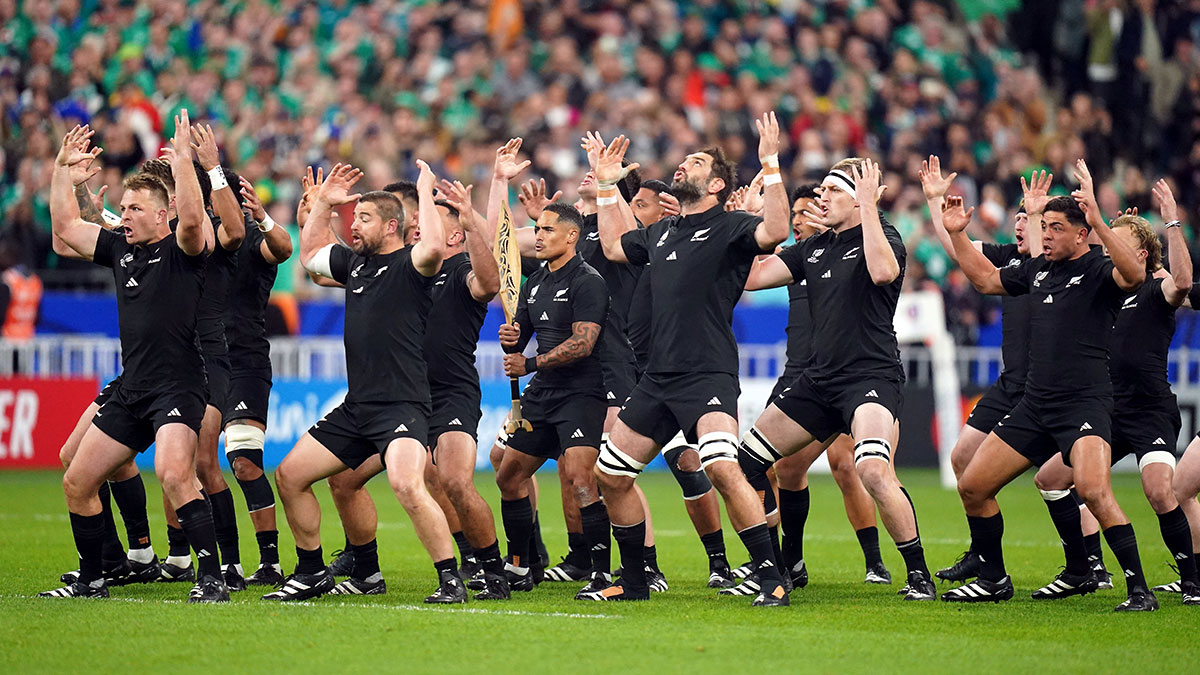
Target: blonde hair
[(1146, 237)]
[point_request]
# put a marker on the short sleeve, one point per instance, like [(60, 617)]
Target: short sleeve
[(108, 243), (636, 244), (741, 234), (1016, 279), (590, 303), (793, 257), (339, 263), (1107, 282)]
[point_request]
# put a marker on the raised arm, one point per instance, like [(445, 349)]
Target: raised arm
[(881, 259), (1128, 271), (428, 253), (484, 278), (276, 245), (505, 168), (982, 274), (533, 197), (777, 210), (612, 221), (315, 237), (768, 271), (935, 186), (1175, 287), (190, 232), (71, 232), (1037, 195), (224, 201)]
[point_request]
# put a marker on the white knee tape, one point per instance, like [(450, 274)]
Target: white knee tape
[(1054, 495), (243, 437), (616, 463), (679, 441), (872, 448), (754, 442), (1156, 457), (717, 446), (603, 438)]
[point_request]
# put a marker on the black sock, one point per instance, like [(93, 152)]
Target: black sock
[(914, 555), (577, 550), (197, 523), (177, 543), (914, 510), (986, 537), (773, 533), (868, 539), (793, 514), (714, 546), (650, 555), (1178, 538), (89, 541), (464, 547), (113, 551), (517, 515), (1124, 547), (536, 545), (597, 537), (348, 546), (489, 558), (309, 562), (225, 524), (1095, 551), (1065, 515), (268, 547), (444, 568), (757, 540), (366, 561), (130, 495), (631, 542)]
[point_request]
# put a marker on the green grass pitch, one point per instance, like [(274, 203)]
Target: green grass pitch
[(837, 624)]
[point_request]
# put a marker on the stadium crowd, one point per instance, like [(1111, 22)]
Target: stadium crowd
[(994, 88)]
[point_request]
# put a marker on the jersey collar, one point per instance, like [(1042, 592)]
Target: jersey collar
[(575, 261), (698, 219)]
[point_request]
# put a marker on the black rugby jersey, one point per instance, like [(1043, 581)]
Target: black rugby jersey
[(1140, 341), (453, 328), (219, 276), (638, 321), (799, 327), (158, 294), (246, 313), (387, 304), (550, 303), (698, 269), (1073, 307), (853, 333), (1014, 316)]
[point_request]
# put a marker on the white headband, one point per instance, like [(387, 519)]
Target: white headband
[(840, 179)]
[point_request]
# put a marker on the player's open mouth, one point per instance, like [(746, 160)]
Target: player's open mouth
[(127, 231), (1020, 240), (678, 175), (354, 239)]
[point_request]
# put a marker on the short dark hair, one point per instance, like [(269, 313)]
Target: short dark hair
[(806, 191), (406, 188), (449, 207), (1068, 207), (388, 206), (657, 186), (149, 183), (160, 169), (722, 168), (632, 183), (567, 214)]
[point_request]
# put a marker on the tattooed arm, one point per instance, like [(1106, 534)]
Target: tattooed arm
[(579, 346)]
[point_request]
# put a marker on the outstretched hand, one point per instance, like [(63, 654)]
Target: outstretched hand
[(608, 163), (1037, 191), (204, 142), (533, 197), (933, 183), (507, 167), (867, 179), (74, 148), (250, 200), (955, 217), (335, 191), (459, 196), (1166, 201), (768, 135), (1085, 196)]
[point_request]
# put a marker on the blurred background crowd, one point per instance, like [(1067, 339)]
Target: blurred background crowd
[(997, 88)]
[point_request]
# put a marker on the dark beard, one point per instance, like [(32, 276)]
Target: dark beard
[(687, 192)]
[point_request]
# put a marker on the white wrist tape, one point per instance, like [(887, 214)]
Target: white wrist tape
[(267, 224), (772, 179), (216, 176), (606, 201), (771, 161)]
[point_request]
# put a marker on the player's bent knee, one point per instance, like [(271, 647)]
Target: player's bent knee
[(1053, 495), (717, 446), (1156, 457), (872, 449), (755, 454), (615, 463)]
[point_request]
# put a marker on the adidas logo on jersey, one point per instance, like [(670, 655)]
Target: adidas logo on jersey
[(714, 401), (174, 413), (1049, 300), (1159, 441), (456, 422), (804, 282), (544, 317), (400, 428), (578, 434), (611, 396), (872, 394), (828, 274), (241, 406), (131, 283), (671, 256), (1085, 427)]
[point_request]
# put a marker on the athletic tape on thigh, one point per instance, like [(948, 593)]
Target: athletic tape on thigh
[(718, 446), (616, 463), (872, 448), (1054, 495), (695, 484), (679, 442), (1156, 457), (759, 447)]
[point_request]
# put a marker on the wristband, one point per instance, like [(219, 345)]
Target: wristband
[(606, 201), (1173, 223), (216, 176), (267, 224), (772, 179), (771, 161), (530, 364)]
